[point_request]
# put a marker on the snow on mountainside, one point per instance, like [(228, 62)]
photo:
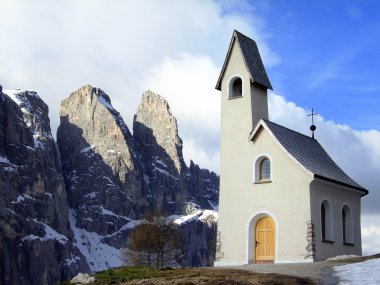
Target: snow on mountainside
[(33, 114), (101, 256)]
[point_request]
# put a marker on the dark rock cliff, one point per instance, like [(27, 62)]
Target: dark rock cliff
[(36, 244)]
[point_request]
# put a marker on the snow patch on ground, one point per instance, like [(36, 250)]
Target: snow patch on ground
[(366, 272), (99, 255), (341, 257), (130, 225), (83, 279), (163, 171), (37, 143), (4, 159), (50, 195), (91, 195), (72, 260), (32, 117), (50, 234), (200, 215), (108, 212), (86, 149), (10, 210), (11, 168), (110, 182), (13, 94), (161, 162), (209, 215), (146, 179), (21, 198)]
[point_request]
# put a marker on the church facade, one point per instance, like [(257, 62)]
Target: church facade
[(282, 198)]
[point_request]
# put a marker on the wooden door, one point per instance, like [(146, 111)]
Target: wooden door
[(265, 241)]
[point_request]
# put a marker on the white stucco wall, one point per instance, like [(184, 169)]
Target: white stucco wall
[(241, 201)]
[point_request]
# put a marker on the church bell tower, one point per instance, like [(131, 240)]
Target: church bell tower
[(243, 83)]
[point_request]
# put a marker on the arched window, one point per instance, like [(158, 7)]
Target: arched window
[(262, 171), (236, 88), (265, 169), (347, 225), (327, 222)]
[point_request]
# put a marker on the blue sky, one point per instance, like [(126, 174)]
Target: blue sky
[(318, 54), (330, 57)]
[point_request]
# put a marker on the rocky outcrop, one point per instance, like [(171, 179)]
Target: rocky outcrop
[(101, 166), (155, 129), (176, 188), (174, 184), (36, 241), (113, 179), (103, 174)]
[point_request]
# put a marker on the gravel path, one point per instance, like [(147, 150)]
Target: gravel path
[(321, 272)]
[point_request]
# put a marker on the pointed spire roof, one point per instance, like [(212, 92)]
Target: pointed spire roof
[(252, 60)]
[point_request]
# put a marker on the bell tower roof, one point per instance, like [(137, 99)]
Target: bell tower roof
[(252, 60)]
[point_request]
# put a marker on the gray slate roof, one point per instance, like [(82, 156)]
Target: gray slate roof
[(252, 59), (311, 155)]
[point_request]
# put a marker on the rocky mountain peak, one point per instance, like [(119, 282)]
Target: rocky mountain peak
[(34, 226), (89, 124), (35, 114), (155, 128), (100, 162)]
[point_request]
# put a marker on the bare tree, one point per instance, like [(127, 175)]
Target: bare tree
[(156, 241)]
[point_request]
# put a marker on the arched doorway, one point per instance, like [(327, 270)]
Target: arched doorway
[(265, 240)]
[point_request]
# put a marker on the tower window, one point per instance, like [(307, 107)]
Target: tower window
[(236, 88)]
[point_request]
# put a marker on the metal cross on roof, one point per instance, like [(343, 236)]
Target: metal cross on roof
[(312, 127)]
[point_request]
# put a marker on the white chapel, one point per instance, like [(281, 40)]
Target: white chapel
[(282, 197)]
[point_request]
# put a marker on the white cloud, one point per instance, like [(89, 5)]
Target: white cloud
[(54, 48), (192, 150), (370, 234)]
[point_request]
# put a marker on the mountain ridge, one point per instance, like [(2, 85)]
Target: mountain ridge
[(106, 179)]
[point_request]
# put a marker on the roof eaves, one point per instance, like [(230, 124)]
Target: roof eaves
[(363, 190)]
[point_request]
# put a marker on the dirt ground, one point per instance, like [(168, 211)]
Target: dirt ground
[(306, 273), (215, 276)]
